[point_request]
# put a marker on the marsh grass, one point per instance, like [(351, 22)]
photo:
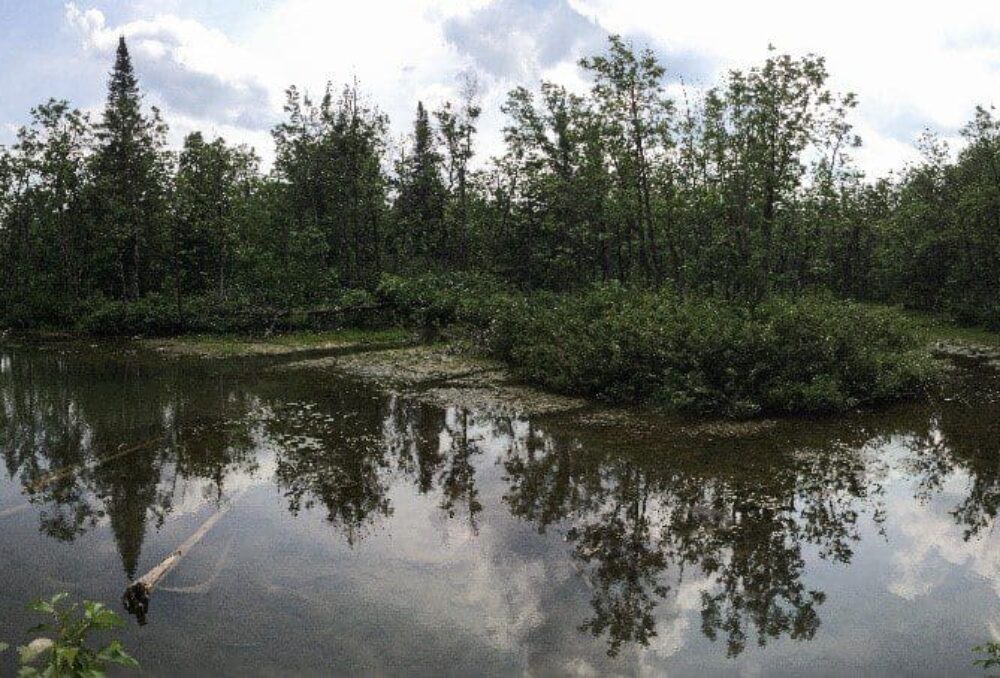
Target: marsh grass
[(229, 346)]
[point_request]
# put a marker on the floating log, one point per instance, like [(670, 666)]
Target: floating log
[(14, 510), (61, 473), (137, 594), (204, 586)]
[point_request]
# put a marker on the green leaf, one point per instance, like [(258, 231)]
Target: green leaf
[(67, 655), (41, 606), (101, 617), (115, 652), (4, 647), (992, 658)]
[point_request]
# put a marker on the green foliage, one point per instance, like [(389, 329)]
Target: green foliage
[(436, 300), (420, 206), (704, 355), (129, 183), (991, 655), (150, 315), (157, 315), (735, 213), (942, 247), (211, 187), (331, 189), (712, 357), (64, 652)]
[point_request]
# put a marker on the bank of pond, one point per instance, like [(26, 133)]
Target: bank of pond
[(806, 354)]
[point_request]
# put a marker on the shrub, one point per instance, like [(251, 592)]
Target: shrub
[(976, 314), (159, 315), (710, 356), (434, 301), (152, 314)]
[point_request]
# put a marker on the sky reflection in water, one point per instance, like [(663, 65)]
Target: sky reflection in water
[(372, 533)]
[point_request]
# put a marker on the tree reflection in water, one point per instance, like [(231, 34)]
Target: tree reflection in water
[(637, 520), (66, 419), (741, 516)]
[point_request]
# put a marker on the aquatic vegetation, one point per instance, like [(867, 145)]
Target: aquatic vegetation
[(65, 652), (226, 346)]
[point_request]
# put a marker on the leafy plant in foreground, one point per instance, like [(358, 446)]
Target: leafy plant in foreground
[(65, 651)]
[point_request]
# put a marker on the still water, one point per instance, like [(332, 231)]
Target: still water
[(370, 533)]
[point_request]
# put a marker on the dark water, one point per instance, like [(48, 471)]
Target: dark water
[(372, 534)]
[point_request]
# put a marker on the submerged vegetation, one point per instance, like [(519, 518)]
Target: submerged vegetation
[(229, 345), (623, 246)]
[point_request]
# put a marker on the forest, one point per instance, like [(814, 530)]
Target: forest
[(721, 252)]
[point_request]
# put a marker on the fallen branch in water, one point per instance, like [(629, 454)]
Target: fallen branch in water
[(61, 473), (14, 510), (137, 594), (207, 584)]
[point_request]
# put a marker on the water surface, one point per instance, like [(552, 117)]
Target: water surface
[(370, 533)]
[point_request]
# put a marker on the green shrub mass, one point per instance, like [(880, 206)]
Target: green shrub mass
[(812, 354), (620, 344), (164, 315)]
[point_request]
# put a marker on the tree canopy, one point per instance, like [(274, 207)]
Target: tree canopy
[(743, 191)]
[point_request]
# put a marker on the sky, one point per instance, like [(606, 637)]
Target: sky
[(223, 66)]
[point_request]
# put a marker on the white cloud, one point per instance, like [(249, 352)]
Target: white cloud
[(911, 64), (187, 42), (936, 545), (189, 68)]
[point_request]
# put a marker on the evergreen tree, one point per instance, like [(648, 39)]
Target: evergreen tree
[(421, 201), (130, 183)]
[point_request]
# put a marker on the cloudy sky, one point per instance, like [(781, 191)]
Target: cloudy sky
[(222, 66)]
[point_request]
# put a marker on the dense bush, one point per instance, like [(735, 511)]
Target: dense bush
[(703, 355), (160, 315), (813, 354), (436, 300), (986, 316)]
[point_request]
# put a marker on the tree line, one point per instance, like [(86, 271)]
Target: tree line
[(742, 192)]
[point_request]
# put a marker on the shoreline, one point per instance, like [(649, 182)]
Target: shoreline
[(448, 374)]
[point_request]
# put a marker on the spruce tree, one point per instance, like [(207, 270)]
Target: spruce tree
[(422, 194), (130, 180)]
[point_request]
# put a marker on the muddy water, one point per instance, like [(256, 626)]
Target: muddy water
[(376, 532)]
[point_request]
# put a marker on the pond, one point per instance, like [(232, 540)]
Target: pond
[(368, 531)]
